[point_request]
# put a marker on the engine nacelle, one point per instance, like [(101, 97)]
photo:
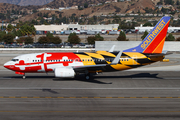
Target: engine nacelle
[(64, 72)]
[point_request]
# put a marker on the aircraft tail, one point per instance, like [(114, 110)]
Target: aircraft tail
[(154, 41)]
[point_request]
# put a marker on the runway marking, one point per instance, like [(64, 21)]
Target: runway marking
[(48, 97), (90, 111), (54, 88)]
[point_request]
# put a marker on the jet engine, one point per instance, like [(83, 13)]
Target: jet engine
[(64, 72)]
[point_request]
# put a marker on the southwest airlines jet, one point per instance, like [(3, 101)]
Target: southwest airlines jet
[(69, 64)]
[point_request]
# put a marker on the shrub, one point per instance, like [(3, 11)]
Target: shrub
[(122, 36), (73, 38), (91, 39), (99, 37), (55, 40), (8, 38), (43, 40), (178, 39), (49, 34), (29, 40)]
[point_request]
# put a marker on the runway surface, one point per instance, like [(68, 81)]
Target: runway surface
[(126, 95)]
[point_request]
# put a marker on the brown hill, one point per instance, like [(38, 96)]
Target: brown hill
[(69, 3), (106, 9), (140, 6)]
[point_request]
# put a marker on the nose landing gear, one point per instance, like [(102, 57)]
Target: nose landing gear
[(24, 77)]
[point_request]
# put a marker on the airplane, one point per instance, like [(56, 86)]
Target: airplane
[(70, 64)]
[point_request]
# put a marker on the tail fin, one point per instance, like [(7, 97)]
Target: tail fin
[(154, 41)]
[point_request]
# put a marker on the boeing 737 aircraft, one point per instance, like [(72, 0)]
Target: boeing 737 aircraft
[(69, 64)]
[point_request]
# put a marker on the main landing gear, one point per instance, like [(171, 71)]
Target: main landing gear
[(87, 76)]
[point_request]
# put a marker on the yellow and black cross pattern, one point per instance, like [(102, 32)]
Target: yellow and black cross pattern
[(128, 60)]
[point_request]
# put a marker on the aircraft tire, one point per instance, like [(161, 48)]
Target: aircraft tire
[(24, 77)]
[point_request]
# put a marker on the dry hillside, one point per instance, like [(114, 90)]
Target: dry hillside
[(106, 9), (69, 3)]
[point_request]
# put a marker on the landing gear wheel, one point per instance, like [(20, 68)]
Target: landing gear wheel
[(24, 77), (87, 77)]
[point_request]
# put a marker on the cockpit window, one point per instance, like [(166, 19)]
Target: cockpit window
[(14, 60)]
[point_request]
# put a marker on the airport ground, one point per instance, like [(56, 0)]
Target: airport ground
[(148, 93)]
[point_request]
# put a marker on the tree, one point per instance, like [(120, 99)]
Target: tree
[(177, 3), (49, 34), (169, 2), (43, 40), (170, 37), (144, 35), (20, 40), (73, 38), (28, 40), (9, 28), (122, 36), (2, 33), (55, 40), (91, 39), (85, 5), (8, 38), (99, 37), (147, 24), (27, 30)]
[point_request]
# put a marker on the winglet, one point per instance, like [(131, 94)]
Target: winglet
[(116, 59), (112, 48)]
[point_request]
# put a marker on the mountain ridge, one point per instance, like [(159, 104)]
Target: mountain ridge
[(26, 2)]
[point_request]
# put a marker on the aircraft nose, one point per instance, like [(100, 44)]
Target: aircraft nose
[(8, 65)]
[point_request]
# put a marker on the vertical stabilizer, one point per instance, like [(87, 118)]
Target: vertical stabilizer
[(154, 41)]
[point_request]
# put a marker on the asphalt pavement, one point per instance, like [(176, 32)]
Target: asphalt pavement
[(126, 95)]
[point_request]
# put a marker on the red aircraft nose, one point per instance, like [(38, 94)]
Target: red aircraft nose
[(8, 66)]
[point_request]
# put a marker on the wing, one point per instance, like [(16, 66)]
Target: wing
[(99, 66)]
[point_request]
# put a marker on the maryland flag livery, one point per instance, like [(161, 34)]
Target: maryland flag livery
[(69, 64)]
